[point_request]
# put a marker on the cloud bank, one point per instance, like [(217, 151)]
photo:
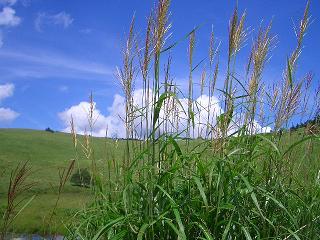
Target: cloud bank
[(7, 115), (206, 110), (6, 90), (8, 17)]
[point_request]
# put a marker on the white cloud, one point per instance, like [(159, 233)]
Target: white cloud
[(62, 19), (254, 128), (7, 115), (6, 91), (80, 115), (114, 121), (8, 17), (206, 110)]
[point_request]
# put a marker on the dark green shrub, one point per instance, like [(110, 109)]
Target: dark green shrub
[(81, 178), (49, 130)]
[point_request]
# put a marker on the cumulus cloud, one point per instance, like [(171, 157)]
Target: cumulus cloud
[(7, 115), (8, 17), (255, 128), (60, 19), (80, 115), (259, 129), (113, 122), (206, 111), (6, 90)]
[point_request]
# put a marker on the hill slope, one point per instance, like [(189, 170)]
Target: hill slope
[(46, 153)]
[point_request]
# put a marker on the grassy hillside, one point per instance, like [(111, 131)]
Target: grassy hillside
[(46, 153), (247, 185)]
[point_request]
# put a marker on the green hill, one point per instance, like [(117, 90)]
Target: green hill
[(46, 153)]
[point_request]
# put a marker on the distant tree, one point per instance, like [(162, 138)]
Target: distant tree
[(81, 178), (311, 124), (49, 130)]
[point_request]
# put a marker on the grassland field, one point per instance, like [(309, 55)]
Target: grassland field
[(48, 152)]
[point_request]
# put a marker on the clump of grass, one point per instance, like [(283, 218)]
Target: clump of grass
[(18, 185), (234, 183)]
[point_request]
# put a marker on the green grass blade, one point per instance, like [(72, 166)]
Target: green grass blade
[(201, 190), (292, 233), (296, 144), (178, 219), (119, 235), (175, 229), (246, 233), (226, 230), (272, 144), (205, 231), (106, 227), (142, 231)]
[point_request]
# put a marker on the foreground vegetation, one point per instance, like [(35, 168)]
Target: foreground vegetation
[(47, 153), (234, 181), (233, 184)]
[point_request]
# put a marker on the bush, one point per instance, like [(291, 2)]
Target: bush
[(81, 178), (49, 130)]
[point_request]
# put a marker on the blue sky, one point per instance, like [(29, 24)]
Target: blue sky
[(55, 52)]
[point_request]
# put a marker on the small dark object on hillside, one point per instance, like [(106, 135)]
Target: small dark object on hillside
[(311, 129), (49, 130), (81, 178)]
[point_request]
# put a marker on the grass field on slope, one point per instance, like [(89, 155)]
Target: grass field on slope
[(48, 152)]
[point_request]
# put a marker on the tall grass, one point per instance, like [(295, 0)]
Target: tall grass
[(16, 202), (234, 183)]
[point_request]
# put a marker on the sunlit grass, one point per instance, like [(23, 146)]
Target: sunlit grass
[(216, 177), (234, 183)]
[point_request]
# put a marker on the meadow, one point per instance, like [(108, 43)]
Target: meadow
[(183, 170), (48, 152)]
